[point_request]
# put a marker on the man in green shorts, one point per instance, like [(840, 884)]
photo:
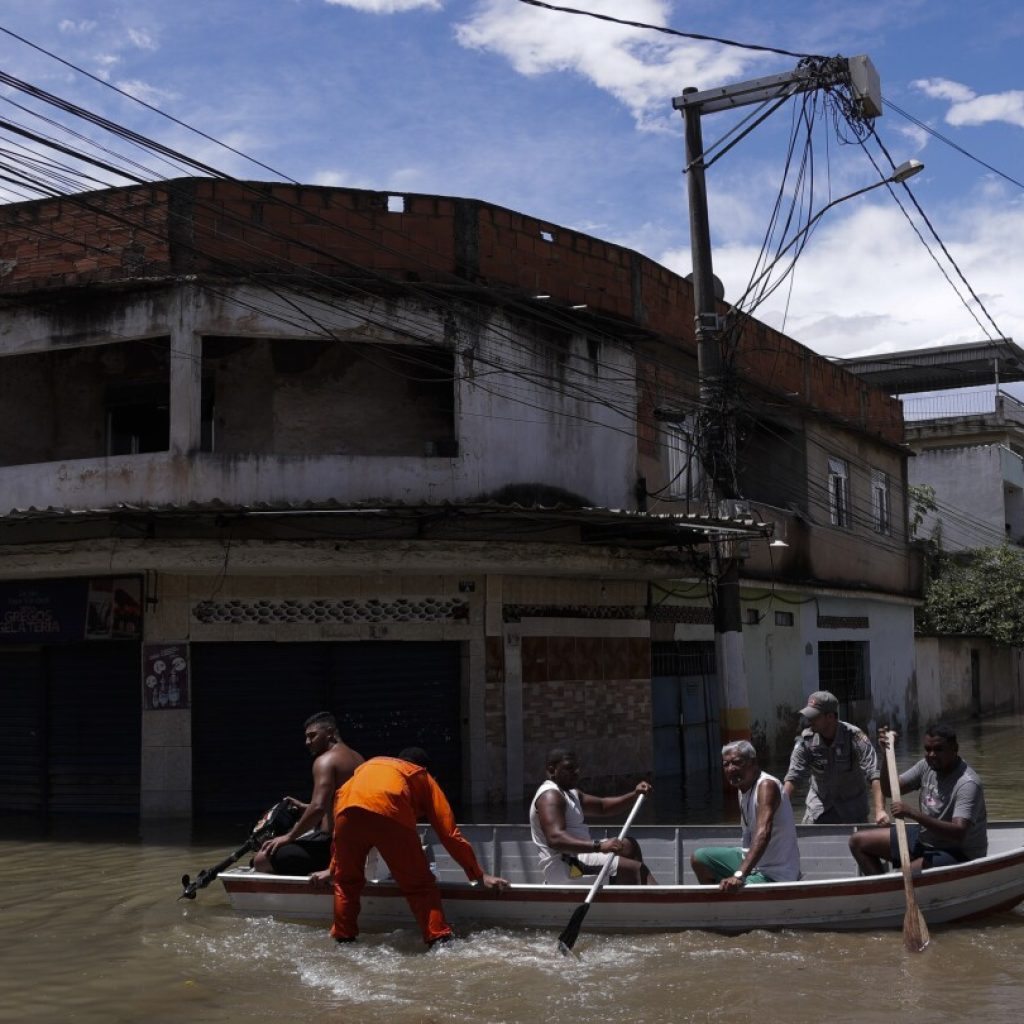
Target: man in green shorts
[(768, 850)]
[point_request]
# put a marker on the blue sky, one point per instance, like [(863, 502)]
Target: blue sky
[(571, 119)]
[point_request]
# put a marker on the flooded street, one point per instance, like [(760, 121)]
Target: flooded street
[(91, 931)]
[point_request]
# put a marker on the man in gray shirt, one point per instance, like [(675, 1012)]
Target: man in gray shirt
[(841, 764), (952, 823)]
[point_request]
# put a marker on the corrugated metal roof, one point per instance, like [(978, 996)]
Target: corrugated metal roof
[(643, 527), (941, 367)]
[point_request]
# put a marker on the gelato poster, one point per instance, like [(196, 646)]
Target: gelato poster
[(165, 676)]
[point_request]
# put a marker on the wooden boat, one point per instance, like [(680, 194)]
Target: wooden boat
[(829, 897)]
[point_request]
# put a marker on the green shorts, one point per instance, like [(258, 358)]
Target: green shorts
[(725, 861)]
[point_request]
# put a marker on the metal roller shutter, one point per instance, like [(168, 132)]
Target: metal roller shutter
[(249, 701), (94, 708), (248, 705), (387, 696), (22, 731)]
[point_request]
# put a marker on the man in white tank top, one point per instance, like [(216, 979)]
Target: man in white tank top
[(768, 850), (567, 852)]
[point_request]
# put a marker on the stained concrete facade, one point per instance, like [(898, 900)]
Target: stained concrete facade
[(300, 418)]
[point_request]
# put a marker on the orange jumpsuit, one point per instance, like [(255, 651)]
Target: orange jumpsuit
[(379, 807)]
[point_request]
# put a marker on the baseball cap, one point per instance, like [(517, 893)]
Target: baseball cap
[(820, 701)]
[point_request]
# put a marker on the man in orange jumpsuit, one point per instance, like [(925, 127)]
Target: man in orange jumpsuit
[(379, 807)]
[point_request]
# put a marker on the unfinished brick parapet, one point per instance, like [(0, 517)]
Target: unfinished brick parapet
[(236, 230)]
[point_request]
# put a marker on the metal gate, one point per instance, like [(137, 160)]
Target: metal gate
[(22, 731), (70, 731), (684, 699)]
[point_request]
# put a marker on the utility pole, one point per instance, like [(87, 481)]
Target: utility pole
[(717, 412)]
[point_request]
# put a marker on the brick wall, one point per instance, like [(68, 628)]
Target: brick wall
[(230, 228), (594, 695)]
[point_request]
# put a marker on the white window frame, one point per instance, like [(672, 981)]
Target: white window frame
[(685, 474), (839, 492), (881, 517)]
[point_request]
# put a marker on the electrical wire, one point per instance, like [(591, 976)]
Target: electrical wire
[(137, 138), (664, 29)]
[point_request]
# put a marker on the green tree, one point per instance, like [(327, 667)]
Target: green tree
[(981, 594)]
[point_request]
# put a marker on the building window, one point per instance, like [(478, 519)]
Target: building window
[(685, 478), (843, 669), (783, 618), (880, 501), (838, 492), (138, 418)]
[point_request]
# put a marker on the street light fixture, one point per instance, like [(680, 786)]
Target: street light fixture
[(859, 76), (906, 170)]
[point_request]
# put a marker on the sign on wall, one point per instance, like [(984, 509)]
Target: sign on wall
[(165, 676), (66, 611), (114, 608), (45, 612)]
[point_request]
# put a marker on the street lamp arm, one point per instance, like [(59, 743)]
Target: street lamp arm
[(906, 170)]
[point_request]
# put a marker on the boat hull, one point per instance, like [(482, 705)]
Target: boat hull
[(944, 895)]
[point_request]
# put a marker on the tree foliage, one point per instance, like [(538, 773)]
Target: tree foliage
[(981, 594)]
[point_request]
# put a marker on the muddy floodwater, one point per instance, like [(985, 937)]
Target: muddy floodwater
[(91, 931)]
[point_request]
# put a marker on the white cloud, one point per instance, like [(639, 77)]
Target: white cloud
[(387, 6), (141, 39), (1004, 106), (641, 69), (343, 179), (917, 136), (147, 93), (76, 27), (968, 108), (865, 283), (943, 89)]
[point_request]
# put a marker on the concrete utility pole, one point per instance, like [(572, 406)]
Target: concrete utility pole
[(718, 433)]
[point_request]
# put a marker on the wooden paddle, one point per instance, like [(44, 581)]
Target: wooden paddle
[(915, 928), (572, 930)]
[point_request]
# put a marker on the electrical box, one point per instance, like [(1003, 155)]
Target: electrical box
[(865, 85)]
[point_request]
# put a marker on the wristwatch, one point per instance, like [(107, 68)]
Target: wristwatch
[(739, 874)]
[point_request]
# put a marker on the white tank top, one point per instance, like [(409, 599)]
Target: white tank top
[(781, 860), (574, 825)]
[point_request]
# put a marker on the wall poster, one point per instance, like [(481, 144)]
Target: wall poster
[(165, 676)]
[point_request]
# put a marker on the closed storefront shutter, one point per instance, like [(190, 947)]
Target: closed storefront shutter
[(70, 725), (22, 731), (248, 705), (388, 696), (249, 701), (94, 709)]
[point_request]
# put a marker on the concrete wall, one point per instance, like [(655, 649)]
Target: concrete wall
[(782, 660), (944, 678), (220, 228), (969, 481), (528, 410), (562, 669)]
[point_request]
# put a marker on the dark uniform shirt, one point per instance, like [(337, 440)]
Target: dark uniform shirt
[(840, 773)]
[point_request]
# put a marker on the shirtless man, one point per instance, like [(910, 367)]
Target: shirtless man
[(306, 846)]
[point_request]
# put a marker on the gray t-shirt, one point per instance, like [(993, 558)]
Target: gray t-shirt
[(958, 794), (841, 773)]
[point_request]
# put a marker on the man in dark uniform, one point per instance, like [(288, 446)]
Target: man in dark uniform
[(841, 764)]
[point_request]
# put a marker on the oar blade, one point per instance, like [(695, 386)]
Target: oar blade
[(915, 930), (572, 930)]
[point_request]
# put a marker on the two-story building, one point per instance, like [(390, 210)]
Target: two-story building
[(966, 439), (422, 461)]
